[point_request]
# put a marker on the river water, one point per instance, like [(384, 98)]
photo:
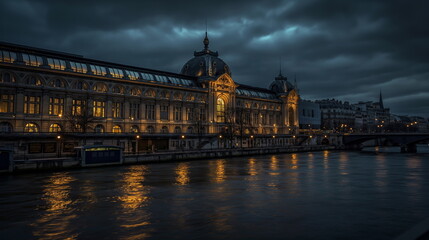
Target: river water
[(319, 195)]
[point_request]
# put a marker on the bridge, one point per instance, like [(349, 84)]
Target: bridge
[(407, 141)]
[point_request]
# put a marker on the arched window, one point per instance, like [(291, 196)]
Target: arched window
[(77, 128), (190, 130), (99, 128), (58, 83), (33, 80), (136, 92), (54, 128), (31, 128), (291, 114), (134, 129), (177, 130), (164, 129), (118, 89), (150, 129), (150, 93), (100, 87), (220, 110), (81, 85), (116, 129), (5, 127)]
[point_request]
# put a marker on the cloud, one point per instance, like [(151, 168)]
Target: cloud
[(337, 49)]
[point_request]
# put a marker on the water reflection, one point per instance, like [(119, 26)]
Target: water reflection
[(325, 159), (343, 160), (182, 173), (134, 218), (381, 172), (135, 194), (219, 171), (274, 166), (252, 167), (57, 211), (294, 161)]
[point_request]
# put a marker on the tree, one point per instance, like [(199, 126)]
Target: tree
[(79, 117)]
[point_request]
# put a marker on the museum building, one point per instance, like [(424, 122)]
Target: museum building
[(51, 102)]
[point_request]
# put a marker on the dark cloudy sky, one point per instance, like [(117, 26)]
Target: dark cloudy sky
[(349, 50)]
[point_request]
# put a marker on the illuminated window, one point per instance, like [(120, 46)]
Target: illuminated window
[(150, 93), (5, 127), (117, 110), (31, 105), (177, 113), (136, 92), (7, 77), (99, 128), (117, 129), (220, 110), (55, 128), (150, 112), (134, 129), (6, 56), (78, 67), (56, 106), (32, 60), (134, 111), (97, 70), (116, 73), (56, 64), (78, 107), (164, 112), (100, 87), (99, 108), (6, 103), (190, 114), (31, 128)]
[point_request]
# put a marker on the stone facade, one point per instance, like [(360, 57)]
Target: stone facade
[(48, 95)]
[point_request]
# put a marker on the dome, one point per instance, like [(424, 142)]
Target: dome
[(281, 85), (205, 63)]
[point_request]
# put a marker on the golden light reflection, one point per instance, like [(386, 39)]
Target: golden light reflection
[(54, 223), (182, 172), (252, 167), (325, 159), (343, 159), (135, 194), (274, 166), (294, 161), (220, 171), (134, 200)]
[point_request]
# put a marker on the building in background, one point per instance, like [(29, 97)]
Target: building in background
[(309, 116), (337, 116)]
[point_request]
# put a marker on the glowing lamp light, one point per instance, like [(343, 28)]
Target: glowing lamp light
[(137, 136), (58, 137), (183, 136)]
